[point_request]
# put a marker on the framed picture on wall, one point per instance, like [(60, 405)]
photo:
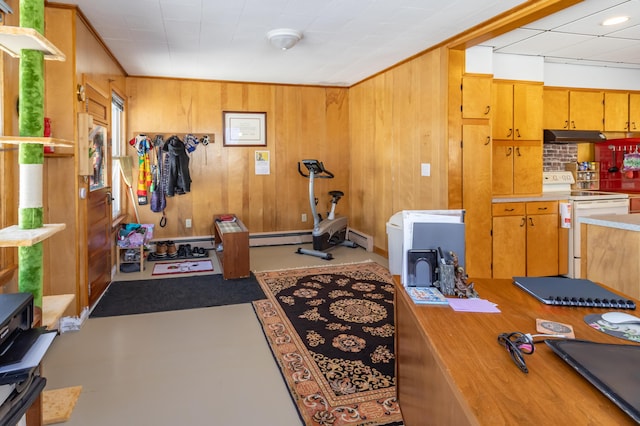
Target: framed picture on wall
[(244, 128)]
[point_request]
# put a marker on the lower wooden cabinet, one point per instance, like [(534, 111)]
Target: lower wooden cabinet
[(525, 239)]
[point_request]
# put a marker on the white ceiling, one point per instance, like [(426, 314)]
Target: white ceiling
[(344, 41), (575, 36)]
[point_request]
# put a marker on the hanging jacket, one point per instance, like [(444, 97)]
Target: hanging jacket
[(179, 181)]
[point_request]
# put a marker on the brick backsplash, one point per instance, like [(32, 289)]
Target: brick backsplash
[(555, 155)]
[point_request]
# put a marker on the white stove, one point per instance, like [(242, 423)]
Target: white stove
[(559, 182), (582, 203)]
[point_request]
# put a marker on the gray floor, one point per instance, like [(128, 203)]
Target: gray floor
[(208, 366)]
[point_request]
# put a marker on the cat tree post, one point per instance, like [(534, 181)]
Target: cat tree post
[(31, 156)]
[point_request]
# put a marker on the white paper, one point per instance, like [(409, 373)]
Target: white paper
[(33, 356), (263, 166)]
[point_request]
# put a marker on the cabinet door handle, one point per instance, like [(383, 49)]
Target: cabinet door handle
[(509, 151), (542, 208), (518, 133), (488, 140), (509, 210), (566, 124), (518, 151), (573, 124), (627, 126), (531, 221), (510, 133), (486, 112), (633, 124), (523, 222)]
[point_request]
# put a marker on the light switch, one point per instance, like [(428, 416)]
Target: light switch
[(425, 169)]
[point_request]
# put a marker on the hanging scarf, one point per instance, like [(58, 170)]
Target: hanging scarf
[(143, 145)]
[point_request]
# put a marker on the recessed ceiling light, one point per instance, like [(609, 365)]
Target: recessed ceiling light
[(615, 20)]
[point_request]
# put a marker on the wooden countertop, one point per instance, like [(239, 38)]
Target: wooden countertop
[(479, 375)]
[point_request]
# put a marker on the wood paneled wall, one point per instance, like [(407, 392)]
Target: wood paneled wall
[(398, 120), (302, 122)]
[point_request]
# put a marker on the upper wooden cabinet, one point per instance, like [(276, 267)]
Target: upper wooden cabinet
[(517, 111), (634, 111), (476, 96), (621, 111), (573, 109)]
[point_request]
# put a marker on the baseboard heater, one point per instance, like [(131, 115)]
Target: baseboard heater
[(363, 240), (260, 239)]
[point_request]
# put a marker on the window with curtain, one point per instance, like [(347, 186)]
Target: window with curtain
[(117, 137)]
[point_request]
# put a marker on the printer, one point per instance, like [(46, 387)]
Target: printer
[(22, 348)]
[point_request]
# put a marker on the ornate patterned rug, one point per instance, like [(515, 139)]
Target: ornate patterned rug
[(331, 330)]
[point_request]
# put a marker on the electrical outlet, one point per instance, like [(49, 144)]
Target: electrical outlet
[(304, 217), (187, 223)]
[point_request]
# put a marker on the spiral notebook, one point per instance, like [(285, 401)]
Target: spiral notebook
[(572, 292)]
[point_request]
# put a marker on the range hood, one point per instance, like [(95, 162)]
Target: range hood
[(573, 136)]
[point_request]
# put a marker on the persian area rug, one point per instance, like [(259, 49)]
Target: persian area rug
[(331, 330), (184, 267)]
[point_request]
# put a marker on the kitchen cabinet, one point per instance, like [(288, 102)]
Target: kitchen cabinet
[(514, 168), (476, 198), (476, 96), (525, 239), (634, 111), (573, 109), (616, 111), (586, 110), (517, 111)]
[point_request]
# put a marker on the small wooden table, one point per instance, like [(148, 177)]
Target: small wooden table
[(233, 239), (452, 371)]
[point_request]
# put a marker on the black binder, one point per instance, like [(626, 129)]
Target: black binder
[(572, 292)]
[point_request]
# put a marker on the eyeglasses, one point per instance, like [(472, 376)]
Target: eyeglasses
[(517, 344)]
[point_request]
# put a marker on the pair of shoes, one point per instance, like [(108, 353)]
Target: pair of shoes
[(172, 251), (161, 249), (199, 252), (185, 251)]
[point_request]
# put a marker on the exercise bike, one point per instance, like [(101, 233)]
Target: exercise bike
[(329, 232)]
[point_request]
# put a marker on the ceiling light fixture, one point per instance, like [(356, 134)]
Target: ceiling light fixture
[(615, 20), (284, 38)]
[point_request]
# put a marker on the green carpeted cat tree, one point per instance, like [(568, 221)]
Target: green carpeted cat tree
[(31, 156)]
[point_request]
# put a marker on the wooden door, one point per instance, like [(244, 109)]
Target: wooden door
[(476, 198), (616, 111), (555, 113), (542, 245), (99, 242), (99, 220), (634, 112), (502, 116), (527, 111), (502, 168), (586, 110), (476, 96), (527, 168), (509, 240)]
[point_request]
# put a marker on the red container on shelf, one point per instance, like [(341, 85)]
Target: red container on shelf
[(47, 134)]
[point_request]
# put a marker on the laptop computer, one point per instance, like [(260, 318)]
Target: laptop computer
[(612, 368)]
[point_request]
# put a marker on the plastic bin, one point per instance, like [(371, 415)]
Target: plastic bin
[(394, 240)]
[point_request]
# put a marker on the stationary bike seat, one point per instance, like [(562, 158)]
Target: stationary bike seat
[(336, 193)]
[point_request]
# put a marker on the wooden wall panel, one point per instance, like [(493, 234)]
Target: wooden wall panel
[(302, 122), (398, 120)]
